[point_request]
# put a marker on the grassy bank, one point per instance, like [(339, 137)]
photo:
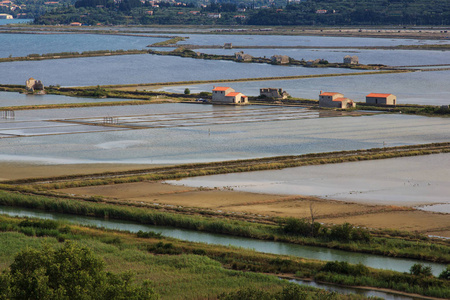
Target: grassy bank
[(61, 55), (344, 237), (198, 270)]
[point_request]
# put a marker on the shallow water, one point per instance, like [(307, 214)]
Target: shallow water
[(292, 40), (144, 68), (427, 88), (24, 44), (408, 181), (218, 139), (17, 99)]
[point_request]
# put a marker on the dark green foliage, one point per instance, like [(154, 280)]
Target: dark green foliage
[(148, 234), (187, 91), (445, 274), (343, 267), (69, 272), (289, 292), (44, 224), (344, 233), (164, 248), (420, 270)]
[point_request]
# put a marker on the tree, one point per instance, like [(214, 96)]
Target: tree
[(69, 272), (187, 91)]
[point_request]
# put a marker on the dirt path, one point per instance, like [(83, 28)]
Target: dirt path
[(262, 206)]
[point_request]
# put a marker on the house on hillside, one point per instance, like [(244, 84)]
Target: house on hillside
[(227, 95), (273, 93), (383, 99), (32, 85), (351, 60), (336, 100)]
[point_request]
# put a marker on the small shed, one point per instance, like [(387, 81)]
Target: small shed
[(241, 56), (273, 93), (280, 59), (351, 60), (32, 85), (228, 46), (382, 99), (334, 100), (227, 95)]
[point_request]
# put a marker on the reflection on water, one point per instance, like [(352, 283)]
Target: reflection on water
[(404, 181), (373, 261), (213, 142)]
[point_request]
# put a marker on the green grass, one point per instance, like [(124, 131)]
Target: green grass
[(419, 248), (197, 270)]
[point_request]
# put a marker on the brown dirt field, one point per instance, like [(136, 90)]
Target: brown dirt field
[(226, 201), (12, 171)]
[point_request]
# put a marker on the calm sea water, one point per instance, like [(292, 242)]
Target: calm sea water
[(429, 88), (14, 21), (290, 40), (210, 142), (144, 68), (24, 44), (407, 181)]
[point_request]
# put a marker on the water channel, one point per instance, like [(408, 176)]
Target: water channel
[(373, 261)]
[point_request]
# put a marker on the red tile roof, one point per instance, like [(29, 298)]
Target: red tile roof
[(377, 95), (220, 88), (232, 94)]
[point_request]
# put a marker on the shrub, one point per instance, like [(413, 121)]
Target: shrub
[(445, 274), (343, 267), (420, 270)]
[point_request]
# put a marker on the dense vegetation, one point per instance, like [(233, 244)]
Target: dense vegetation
[(310, 12), (68, 272), (345, 237), (365, 12), (195, 270)]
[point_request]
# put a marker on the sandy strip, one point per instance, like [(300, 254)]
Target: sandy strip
[(16, 170)]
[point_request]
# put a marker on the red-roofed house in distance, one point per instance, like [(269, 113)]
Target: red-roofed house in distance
[(227, 95), (335, 100), (383, 99)]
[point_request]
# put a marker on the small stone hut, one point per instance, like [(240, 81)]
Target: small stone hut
[(351, 60), (241, 56), (336, 100), (33, 85), (273, 93), (280, 59)]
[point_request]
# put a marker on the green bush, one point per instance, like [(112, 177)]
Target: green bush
[(69, 272)]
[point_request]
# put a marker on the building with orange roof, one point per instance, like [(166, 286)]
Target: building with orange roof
[(227, 95), (335, 100), (382, 99)]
